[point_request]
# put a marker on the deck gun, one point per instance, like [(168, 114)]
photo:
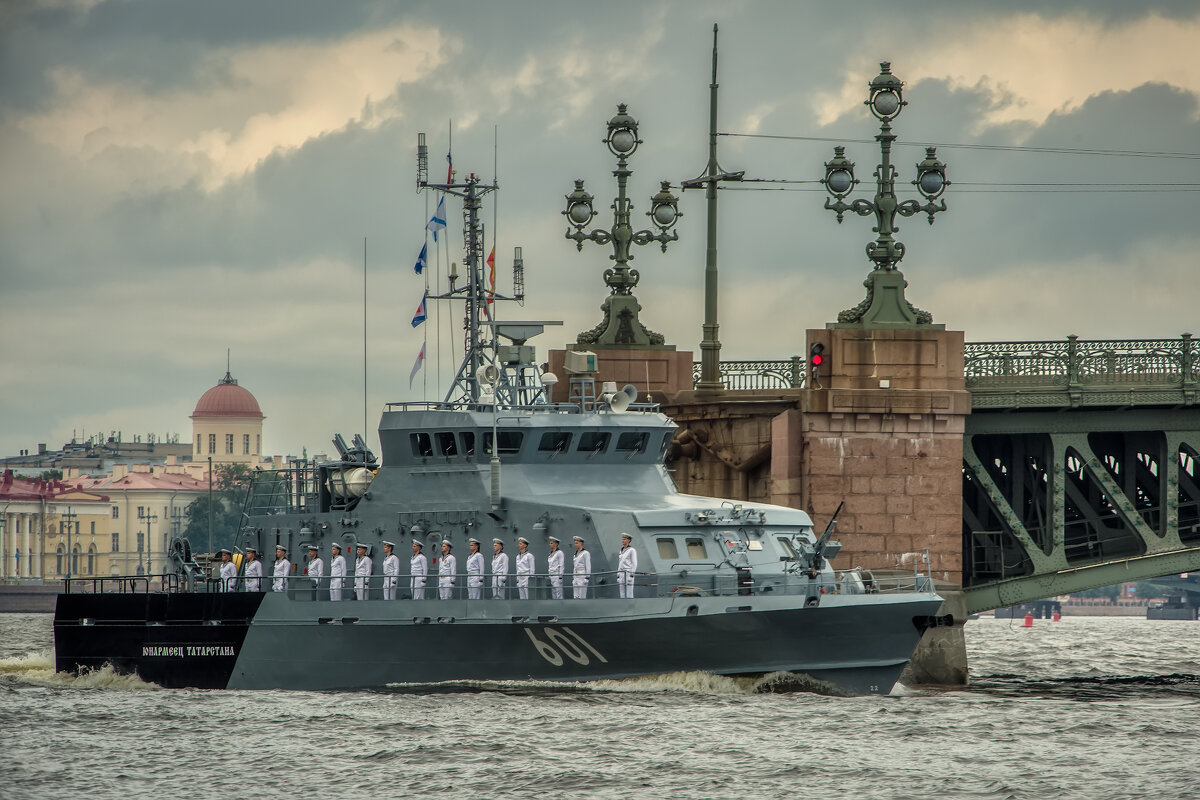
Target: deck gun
[(816, 560)]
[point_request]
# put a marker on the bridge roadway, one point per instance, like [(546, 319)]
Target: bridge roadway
[(1081, 462)]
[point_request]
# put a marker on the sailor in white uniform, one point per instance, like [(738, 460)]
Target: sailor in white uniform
[(362, 572), (525, 566), (581, 569), (418, 566), (253, 571), (626, 566), (391, 571), (316, 568), (499, 571), (554, 566), (474, 571), (447, 568), (337, 572), (283, 568), (228, 571)]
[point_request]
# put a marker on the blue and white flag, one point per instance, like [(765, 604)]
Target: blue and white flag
[(419, 317), (419, 267), (438, 221), (420, 362)]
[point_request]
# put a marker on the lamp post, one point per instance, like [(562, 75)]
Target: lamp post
[(885, 305), (67, 520), (148, 517), (621, 325)]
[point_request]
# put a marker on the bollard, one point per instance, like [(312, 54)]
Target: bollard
[(1028, 621), (1056, 617)]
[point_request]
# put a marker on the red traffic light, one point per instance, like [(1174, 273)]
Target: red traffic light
[(817, 359)]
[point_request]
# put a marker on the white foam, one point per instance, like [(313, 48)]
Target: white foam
[(37, 669)]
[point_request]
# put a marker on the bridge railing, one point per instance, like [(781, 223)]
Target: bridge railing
[(785, 374), (1082, 363)]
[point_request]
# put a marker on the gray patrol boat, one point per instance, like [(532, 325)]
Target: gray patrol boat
[(721, 586)]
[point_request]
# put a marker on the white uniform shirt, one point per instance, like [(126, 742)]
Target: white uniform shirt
[(391, 567), (337, 572), (555, 564), (446, 569), (499, 570), (627, 562), (283, 568), (475, 570), (581, 567), (418, 565), (228, 577), (254, 576), (316, 571), (362, 573), (524, 568)]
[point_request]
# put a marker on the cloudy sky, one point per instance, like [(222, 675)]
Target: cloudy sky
[(180, 178)]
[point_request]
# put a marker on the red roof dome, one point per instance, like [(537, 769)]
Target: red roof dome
[(227, 399)]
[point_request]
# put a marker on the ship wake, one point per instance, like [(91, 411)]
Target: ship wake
[(36, 668)]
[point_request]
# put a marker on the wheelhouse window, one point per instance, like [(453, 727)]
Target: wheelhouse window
[(468, 443), (632, 442), (554, 442), (695, 548), (422, 445), (594, 442), (785, 544), (667, 549), (509, 441), (446, 444)]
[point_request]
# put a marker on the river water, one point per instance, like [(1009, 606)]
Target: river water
[(1084, 708)]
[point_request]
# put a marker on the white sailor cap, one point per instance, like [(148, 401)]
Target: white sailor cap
[(555, 539), (363, 545), (312, 546), (625, 535), (576, 538), (251, 548), (281, 547), (334, 544), (522, 539), (498, 541), (418, 543), (224, 551), (448, 543), (472, 540), (386, 543)]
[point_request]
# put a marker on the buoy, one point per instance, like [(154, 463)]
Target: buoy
[(1028, 621), (1056, 617)]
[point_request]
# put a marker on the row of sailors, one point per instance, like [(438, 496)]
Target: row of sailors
[(581, 570)]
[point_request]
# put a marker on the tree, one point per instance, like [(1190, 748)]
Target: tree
[(229, 491)]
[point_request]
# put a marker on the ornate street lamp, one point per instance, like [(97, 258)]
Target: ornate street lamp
[(621, 325), (885, 305)]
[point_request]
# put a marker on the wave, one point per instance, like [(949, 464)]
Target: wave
[(36, 668), (692, 682)]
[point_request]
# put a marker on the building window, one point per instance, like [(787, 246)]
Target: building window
[(667, 549), (75, 560), (198, 451), (92, 560), (93, 529), (212, 444), (229, 444), (245, 444), (116, 512), (257, 443), (58, 560), (116, 542), (142, 542)]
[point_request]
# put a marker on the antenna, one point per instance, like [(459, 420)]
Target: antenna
[(518, 276), (422, 161)]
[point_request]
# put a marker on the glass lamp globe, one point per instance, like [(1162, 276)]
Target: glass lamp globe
[(839, 181), (664, 215), (932, 182), (886, 103), (580, 213), (623, 140)]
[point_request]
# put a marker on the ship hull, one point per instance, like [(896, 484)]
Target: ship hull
[(857, 644)]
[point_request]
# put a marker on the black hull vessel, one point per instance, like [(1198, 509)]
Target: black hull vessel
[(718, 585)]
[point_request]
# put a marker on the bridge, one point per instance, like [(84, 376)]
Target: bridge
[(1079, 462)]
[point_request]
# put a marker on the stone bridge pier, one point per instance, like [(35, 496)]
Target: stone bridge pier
[(879, 426)]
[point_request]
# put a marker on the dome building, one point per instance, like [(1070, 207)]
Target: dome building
[(227, 425)]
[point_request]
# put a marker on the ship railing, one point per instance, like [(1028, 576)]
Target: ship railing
[(539, 408), (123, 584)]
